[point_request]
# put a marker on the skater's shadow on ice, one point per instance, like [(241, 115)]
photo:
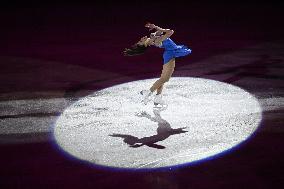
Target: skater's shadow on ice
[(164, 131)]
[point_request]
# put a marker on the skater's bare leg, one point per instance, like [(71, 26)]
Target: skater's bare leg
[(160, 89), (167, 72)]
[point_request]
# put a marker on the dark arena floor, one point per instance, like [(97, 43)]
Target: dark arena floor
[(70, 114)]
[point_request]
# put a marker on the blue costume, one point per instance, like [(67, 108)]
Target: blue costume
[(173, 50)]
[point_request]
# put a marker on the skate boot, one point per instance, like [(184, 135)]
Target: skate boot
[(146, 96), (159, 101)]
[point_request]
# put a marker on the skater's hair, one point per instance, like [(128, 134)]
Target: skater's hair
[(135, 50)]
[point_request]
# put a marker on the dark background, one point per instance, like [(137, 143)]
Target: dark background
[(101, 27), (93, 35)]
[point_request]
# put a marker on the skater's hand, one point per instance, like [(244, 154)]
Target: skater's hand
[(150, 26)]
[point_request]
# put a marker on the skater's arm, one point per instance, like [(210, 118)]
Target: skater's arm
[(163, 30), (157, 28), (160, 39), (168, 32)]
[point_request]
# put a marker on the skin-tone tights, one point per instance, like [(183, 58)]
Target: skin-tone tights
[(167, 72)]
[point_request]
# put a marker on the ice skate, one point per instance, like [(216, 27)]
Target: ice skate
[(158, 101), (146, 96)]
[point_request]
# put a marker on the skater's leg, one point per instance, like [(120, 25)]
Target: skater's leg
[(167, 72), (160, 89)]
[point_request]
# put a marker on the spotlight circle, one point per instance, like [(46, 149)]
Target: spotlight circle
[(112, 128)]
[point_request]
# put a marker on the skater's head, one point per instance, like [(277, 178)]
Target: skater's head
[(143, 41), (138, 48)]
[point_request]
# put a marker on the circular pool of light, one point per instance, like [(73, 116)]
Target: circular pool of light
[(112, 128)]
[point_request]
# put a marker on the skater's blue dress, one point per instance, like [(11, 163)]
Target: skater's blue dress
[(173, 50)]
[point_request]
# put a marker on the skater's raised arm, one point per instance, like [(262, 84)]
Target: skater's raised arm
[(168, 32), (157, 28)]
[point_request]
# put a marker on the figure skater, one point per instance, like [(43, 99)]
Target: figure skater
[(160, 38)]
